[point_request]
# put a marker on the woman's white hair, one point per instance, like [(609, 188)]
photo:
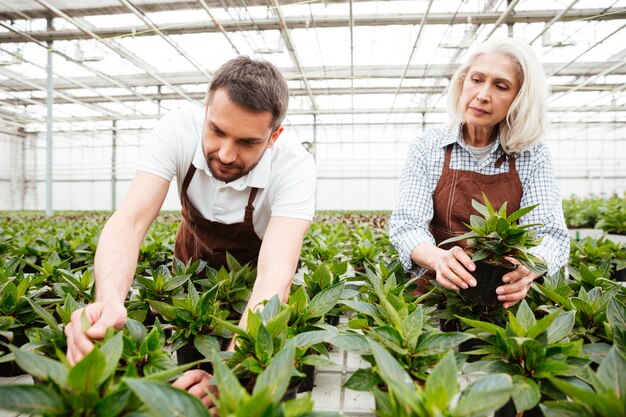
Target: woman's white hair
[(527, 118)]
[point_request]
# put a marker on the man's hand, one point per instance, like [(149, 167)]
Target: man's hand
[(517, 283), (101, 316), (452, 268), (195, 382)]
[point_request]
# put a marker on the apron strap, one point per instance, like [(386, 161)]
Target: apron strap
[(250, 206)]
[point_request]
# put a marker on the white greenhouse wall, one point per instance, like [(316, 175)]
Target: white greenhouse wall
[(357, 170)]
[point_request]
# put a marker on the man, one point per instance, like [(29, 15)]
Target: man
[(241, 191)]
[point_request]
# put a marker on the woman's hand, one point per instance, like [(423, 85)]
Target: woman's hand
[(195, 382), (452, 267), (517, 283)]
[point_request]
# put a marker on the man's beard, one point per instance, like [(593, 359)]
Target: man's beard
[(240, 172)]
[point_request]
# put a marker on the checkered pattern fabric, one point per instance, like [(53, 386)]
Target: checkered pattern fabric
[(411, 218)]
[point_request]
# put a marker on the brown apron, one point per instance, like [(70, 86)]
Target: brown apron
[(200, 238), (452, 198)]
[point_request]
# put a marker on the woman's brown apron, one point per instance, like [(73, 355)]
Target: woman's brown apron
[(200, 238), (452, 199)]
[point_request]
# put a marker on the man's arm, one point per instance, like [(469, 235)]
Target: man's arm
[(115, 262), (278, 260)]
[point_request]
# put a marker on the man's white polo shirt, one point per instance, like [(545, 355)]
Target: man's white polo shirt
[(285, 175)]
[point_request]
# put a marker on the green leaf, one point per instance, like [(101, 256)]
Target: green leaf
[(175, 282), (264, 345), (43, 313), (40, 366), (277, 375), (561, 327), (206, 345), (612, 372), (525, 316), (31, 399), (231, 392), (164, 401), (361, 307), (362, 380), (270, 309), (87, 373), (306, 339), (278, 323), (354, 343), (112, 404), (435, 343), (482, 325), (394, 376), (111, 351), (484, 396), (519, 213), (525, 393), (324, 301), (442, 382), (167, 311), (616, 313)]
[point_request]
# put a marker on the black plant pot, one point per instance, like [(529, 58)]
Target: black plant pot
[(620, 276), (508, 410), (308, 382), (189, 353), (488, 277), (291, 392), (454, 325), (8, 369), (332, 320)]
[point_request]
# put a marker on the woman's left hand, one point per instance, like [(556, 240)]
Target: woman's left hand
[(517, 283)]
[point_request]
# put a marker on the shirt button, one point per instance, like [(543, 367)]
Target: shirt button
[(222, 190)]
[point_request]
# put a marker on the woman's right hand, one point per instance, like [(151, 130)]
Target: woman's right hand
[(101, 315), (452, 267)]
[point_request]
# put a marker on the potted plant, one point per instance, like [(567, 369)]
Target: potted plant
[(93, 388), (603, 395), (439, 396), (491, 239), (400, 326), (234, 285), (268, 331), (266, 397), (531, 351), (198, 320)]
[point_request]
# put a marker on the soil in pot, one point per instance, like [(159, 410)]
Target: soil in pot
[(189, 353), (488, 277)]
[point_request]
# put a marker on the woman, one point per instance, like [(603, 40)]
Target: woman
[(497, 108)]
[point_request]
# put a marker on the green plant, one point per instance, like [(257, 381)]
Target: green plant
[(495, 236), (529, 350), (265, 397), (581, 212), (234, 285), (159, 285), (589, 308), (324, 276), (91, 388), (438, 397), (198, 318), (612, 215), (604, 395), (267, 333), (402, 327)]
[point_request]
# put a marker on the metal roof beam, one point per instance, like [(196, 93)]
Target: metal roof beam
[(118, 49), (299, 22), (609, 88), (312, 73)]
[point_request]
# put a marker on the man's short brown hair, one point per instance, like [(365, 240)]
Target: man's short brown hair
[(253, 84)]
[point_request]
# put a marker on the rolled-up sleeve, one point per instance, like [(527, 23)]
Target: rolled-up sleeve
[(541, 188), (408, 226)]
